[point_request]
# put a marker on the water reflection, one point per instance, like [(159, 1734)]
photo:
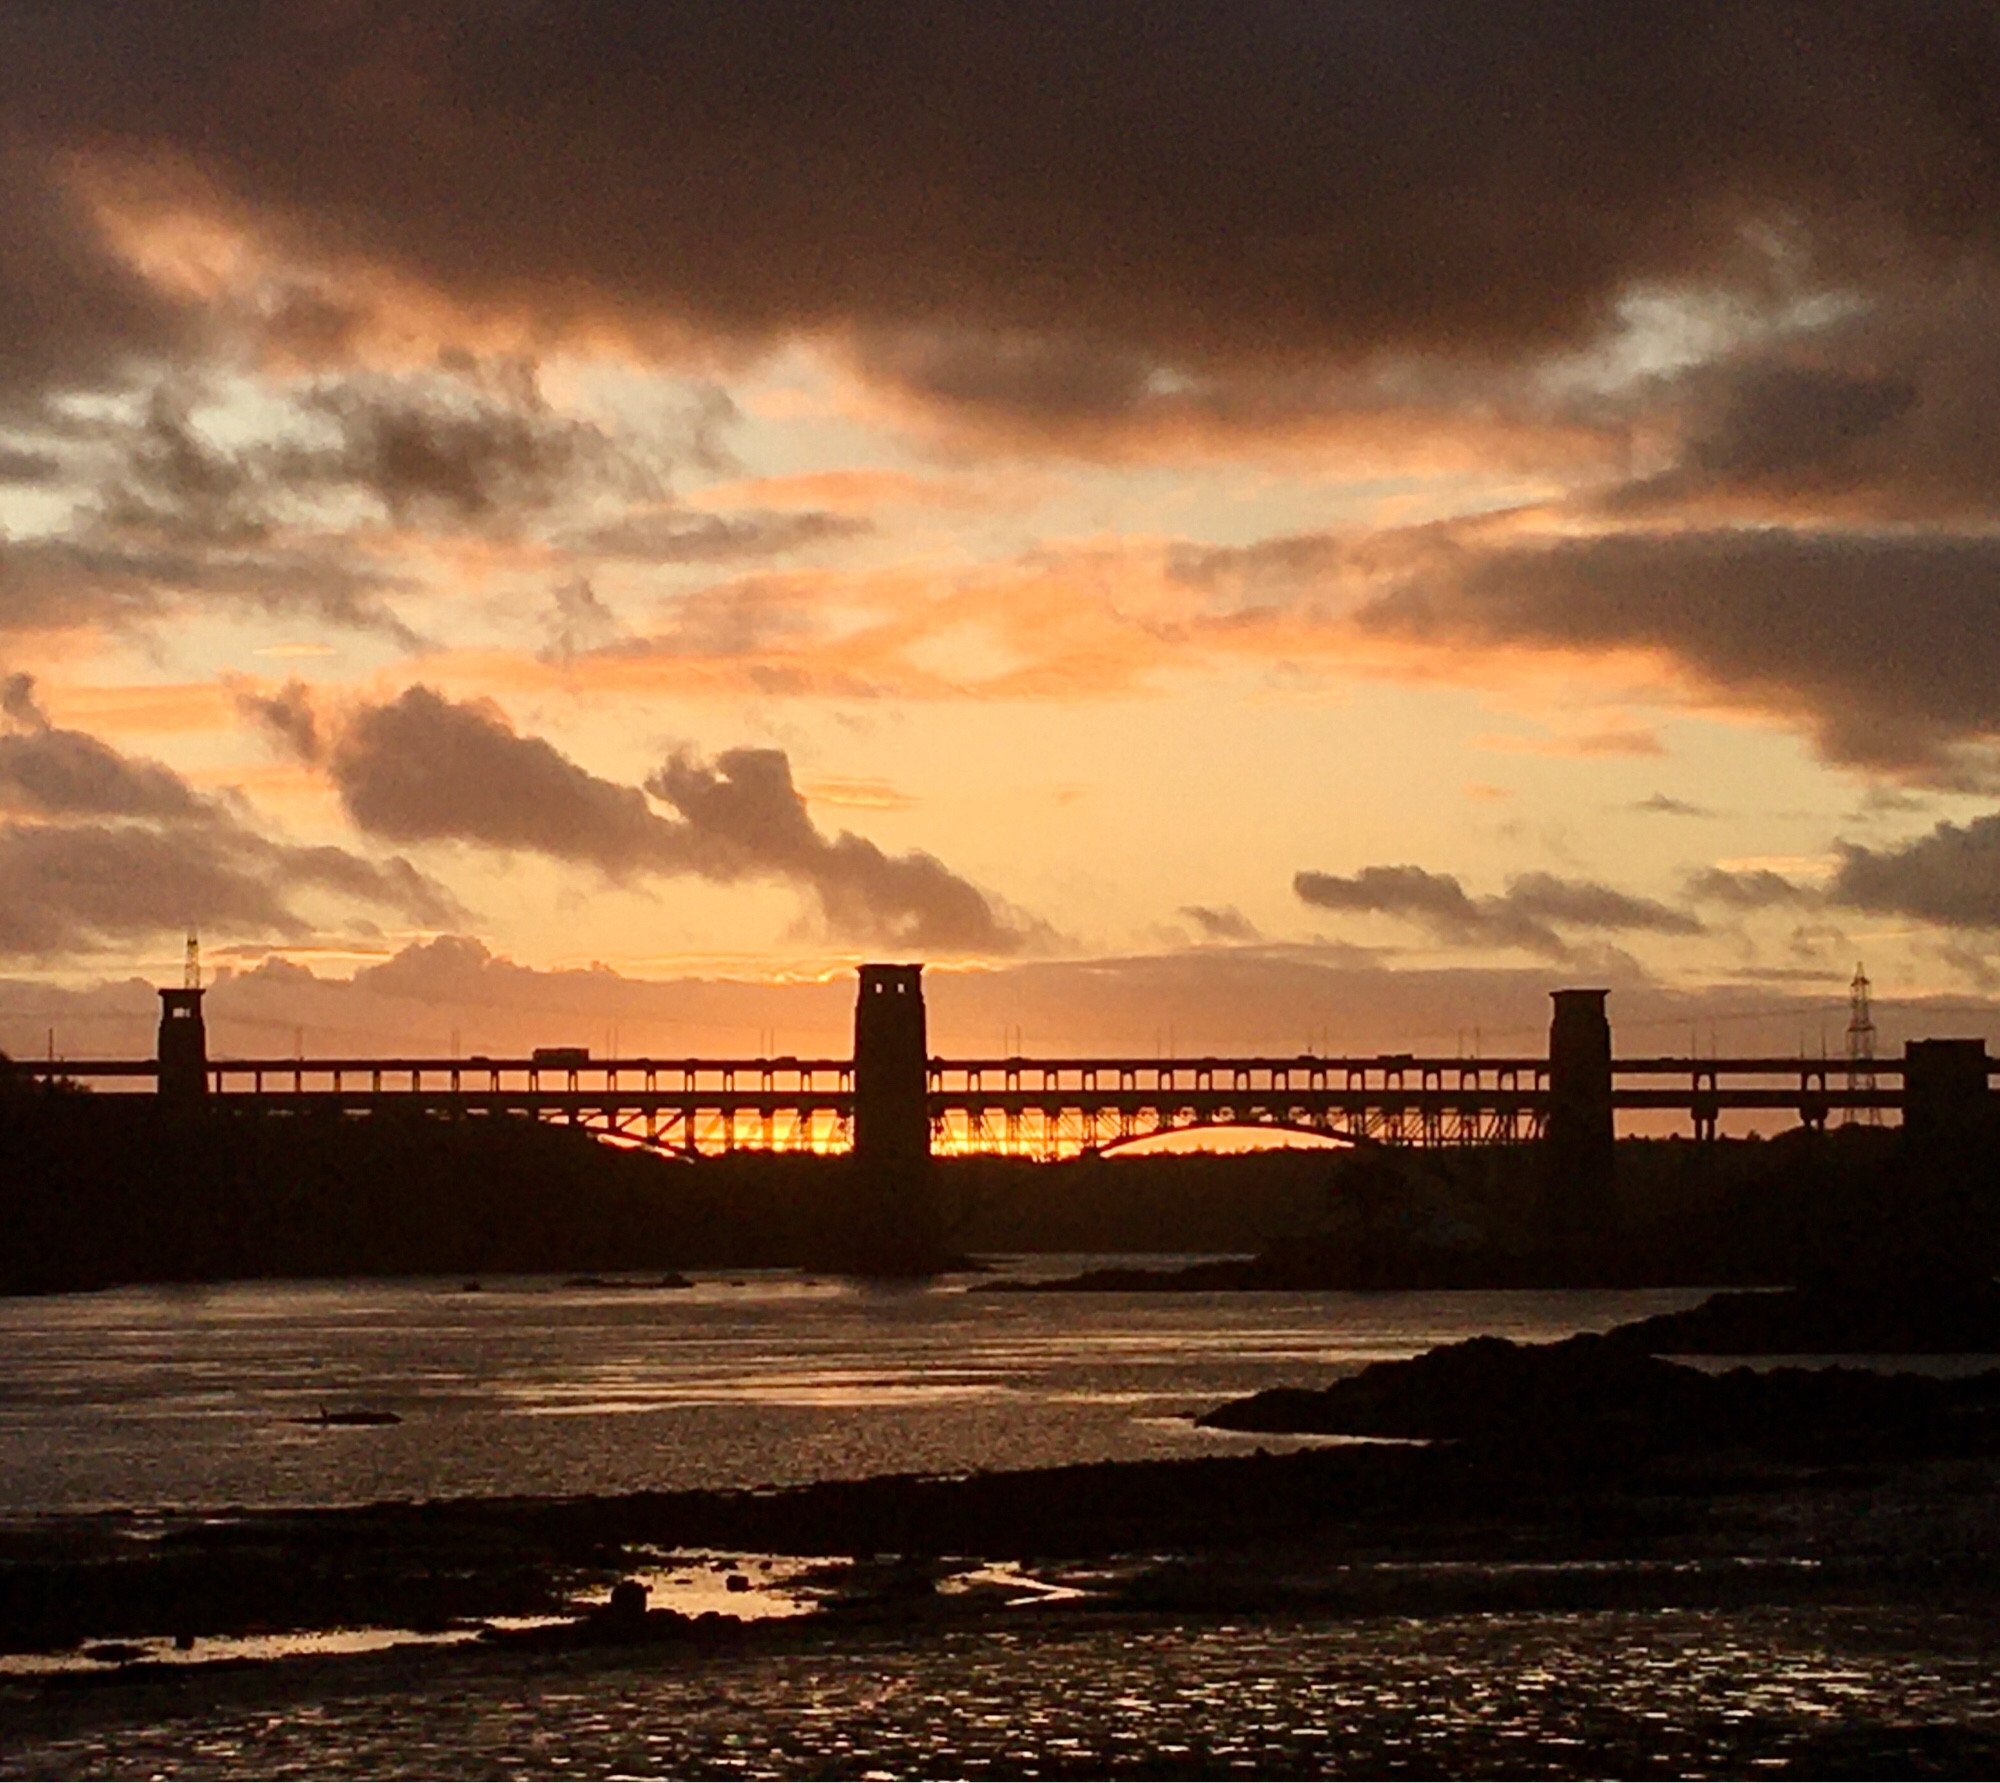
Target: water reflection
[(148, 1397)]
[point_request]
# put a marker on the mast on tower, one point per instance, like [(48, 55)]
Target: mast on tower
[(181, 1060), (1861, 1048)]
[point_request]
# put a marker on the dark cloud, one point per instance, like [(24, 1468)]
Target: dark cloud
[(286, 717), (73, 314), (474, 448), (66, 888), (1882, 411), (1048, 382), (469, 444), (1105, 395), (1130, 186), (26, 467), (1435, 900), (1224, 924), (180, 516), (103, 849), (1756, 889), (1662, 805), (1582, 903), (675, 535), (579, 623), (424, 768), (1525, 916), (1821, 544), (392, 884), (18, 702), (746, 805), (1950, 876), (51, 584), (101, 578), (1884, 643), (57, 773), (1786, 425), (176, 486)]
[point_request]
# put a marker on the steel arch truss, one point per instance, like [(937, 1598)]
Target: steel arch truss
[(1060, 1108)]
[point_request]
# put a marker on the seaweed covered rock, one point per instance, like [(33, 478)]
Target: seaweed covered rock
[(1917, 1317), (1600, 1395)]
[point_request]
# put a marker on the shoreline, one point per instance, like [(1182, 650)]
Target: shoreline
[(1495, 1543), (1339, 1526), (1200, 1620), (1469, 1445)]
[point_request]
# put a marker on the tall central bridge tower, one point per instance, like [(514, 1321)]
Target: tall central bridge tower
[(892, 1122), (1581, 1144), (892, 1203)]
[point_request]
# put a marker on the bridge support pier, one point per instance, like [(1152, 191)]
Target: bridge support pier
[(1948, 1223), (1579, 1149), (892, 1215), (182, 1057)]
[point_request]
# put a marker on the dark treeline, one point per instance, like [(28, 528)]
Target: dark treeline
[(1803, 1207), (98, 1189)]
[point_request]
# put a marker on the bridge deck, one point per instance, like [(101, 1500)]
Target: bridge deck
[(1039, 1106)]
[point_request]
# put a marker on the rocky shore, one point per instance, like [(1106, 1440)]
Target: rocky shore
[(1958, 1316)]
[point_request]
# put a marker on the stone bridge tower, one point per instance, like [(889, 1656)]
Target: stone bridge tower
[(1580, 1146), (892, 1122), (183, 1046), (892, 1215)]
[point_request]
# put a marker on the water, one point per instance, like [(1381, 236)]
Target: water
[(192, 1397)]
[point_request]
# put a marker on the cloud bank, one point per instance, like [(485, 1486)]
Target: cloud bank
[(101, 849), (1530, 914), (424, 769)]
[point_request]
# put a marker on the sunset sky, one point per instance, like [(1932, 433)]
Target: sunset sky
[(1251, 525)]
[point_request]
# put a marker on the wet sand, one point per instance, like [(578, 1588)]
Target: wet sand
[(1437, 1610), (1792, 1691)]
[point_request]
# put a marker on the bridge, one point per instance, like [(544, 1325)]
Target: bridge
[(893, 1098)]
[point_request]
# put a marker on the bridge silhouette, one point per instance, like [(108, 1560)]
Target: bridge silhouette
[(893, 1098)]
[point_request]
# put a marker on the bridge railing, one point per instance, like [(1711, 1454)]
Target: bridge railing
[(1303, 1071)]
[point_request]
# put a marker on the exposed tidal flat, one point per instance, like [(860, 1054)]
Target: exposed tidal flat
[(1806, 1692), (997, 1582)]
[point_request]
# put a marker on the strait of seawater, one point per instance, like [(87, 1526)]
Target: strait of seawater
[(204, 1396)]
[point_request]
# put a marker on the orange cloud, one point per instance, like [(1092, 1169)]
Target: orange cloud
[(1083, 620), (187, 706)]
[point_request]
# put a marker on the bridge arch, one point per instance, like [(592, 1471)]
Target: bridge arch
[(1339, 1138)]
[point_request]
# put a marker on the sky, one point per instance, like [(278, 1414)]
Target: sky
[(1259, 525)]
